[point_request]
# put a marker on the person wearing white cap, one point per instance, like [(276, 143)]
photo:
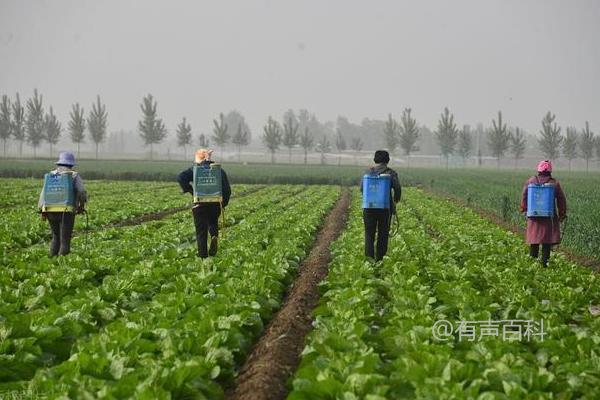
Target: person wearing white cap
[(207, 182), (62, 196)]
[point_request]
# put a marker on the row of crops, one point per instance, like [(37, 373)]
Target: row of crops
[(499, 192), (374, 338), (138, 315), (133, 313)]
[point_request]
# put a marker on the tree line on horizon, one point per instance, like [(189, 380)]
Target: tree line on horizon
[(30, 123)]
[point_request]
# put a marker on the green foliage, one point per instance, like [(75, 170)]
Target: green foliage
[(518, 143), (97, 121), (143, 317), (203, 141), (272, 137), (235, 118), (220, 132), (569, 145), (465, 142), (446, 134), (77, 125), (5, 121), (52, 129), (340, 143), (498, 138), (550, 138), (34, 125), (390, 134), (409, 132), (18, 123), (323, 147), (151, 128), (306, 141), (241, 138), (586, 144), (290, 132), (184, 135), (372, 334)]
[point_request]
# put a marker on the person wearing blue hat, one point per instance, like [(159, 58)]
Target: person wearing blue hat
[(62, 196)]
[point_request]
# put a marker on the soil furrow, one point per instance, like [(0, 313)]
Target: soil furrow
[(277, 354)]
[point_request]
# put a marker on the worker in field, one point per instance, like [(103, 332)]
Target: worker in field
[(381, 191), (63, 195), (207, 182), (545, 206)]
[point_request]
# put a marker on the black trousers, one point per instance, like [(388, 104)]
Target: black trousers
[(61, 224), (534, 251), (206, 220), (377, 221)]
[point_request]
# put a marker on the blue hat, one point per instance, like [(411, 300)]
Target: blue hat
[(66, 158)]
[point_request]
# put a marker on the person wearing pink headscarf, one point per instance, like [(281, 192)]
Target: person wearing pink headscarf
[(544, 231)]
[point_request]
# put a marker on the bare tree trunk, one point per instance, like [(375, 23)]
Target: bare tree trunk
[(305, 156), (4, 148), (497, 162), (20, 148), (239, 153), (78, 144), (50, 149), (34, 152), (151, 151), (185, 152), (290, 155), (570, 165), (339, 159), (96, 150), (272, 157), (587, 165)]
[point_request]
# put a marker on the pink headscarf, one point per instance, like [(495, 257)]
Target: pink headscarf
[(544, 166)]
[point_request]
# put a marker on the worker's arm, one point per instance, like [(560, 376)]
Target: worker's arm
[(397, 188), (184, 179), (226, 188)]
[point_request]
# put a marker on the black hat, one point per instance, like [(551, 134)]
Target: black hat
[(381, 157)]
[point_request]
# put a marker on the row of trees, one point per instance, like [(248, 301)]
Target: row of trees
[(500, 139), (302, 131), (32, 124)]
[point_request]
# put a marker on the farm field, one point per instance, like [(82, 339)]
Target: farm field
[(132, 313), (499, 192), (139, 315), (494, 191), (373, 330)]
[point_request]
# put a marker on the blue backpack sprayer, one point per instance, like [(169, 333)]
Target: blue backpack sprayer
[(208, 187), (376, 194), (541, 201), (59, 196)]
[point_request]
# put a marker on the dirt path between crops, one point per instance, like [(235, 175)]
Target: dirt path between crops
[(158, 215), (277, 354), (490, 216)]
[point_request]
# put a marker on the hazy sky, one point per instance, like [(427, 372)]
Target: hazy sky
[(353, 58)]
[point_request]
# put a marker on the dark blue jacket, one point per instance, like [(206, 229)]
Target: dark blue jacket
[(186, 177)]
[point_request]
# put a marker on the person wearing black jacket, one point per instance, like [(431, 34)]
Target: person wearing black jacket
[(206, 215), (379, 220)]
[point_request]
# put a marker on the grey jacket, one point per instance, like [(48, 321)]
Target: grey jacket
[(80, 193)]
